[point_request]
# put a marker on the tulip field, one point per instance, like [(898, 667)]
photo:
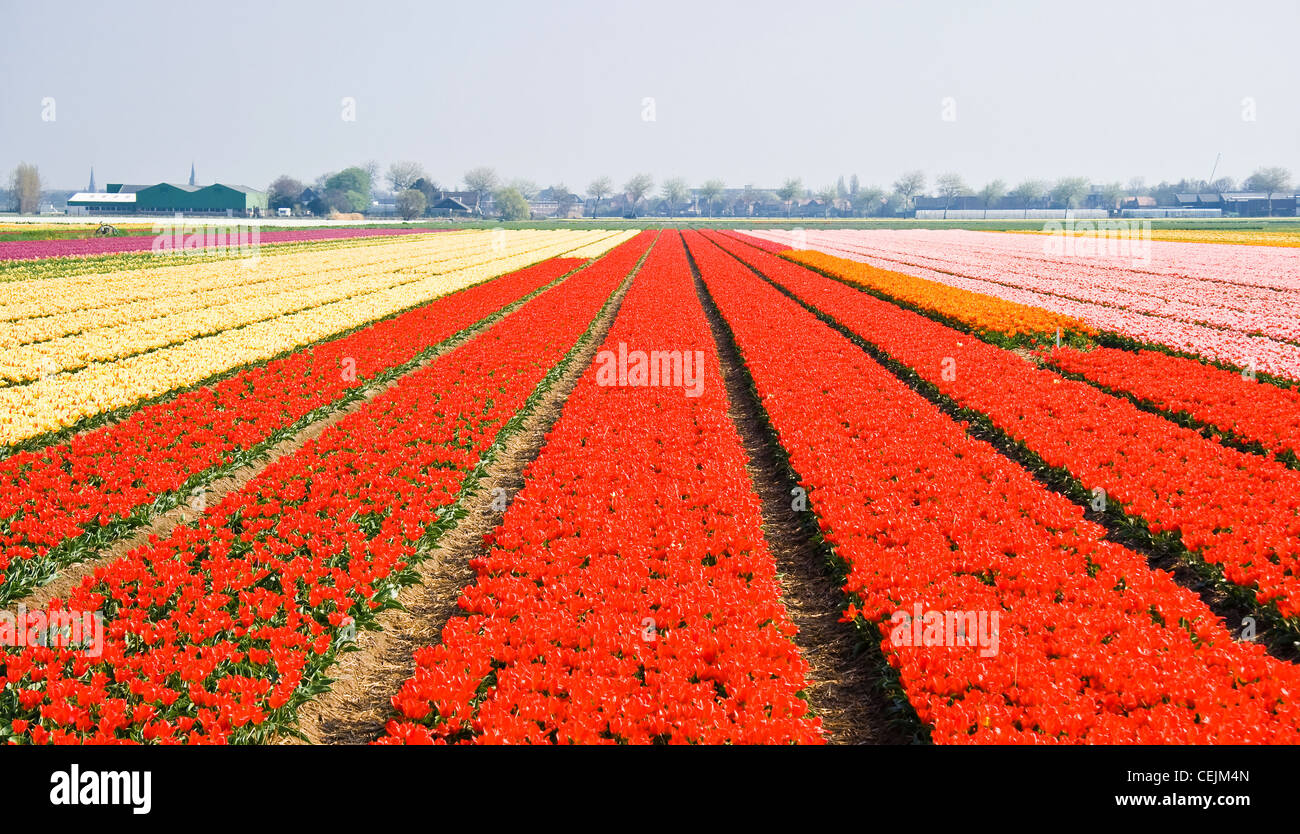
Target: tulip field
[(578, 484)]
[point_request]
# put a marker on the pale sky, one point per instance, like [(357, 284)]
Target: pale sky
[(748, 92)]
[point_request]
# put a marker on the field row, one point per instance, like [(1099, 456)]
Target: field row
[(1089, 643), (63, 501), (993, 511), (1238, 511), (12, 250), (1234, 305), (139, 361), (628, 595), (220, 631)]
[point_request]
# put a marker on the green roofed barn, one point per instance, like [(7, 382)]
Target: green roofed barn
[(168, 198)]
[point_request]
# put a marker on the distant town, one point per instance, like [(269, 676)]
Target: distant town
[(406, 191)]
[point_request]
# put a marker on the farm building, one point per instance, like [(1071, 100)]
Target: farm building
[(1139, 203), (1261, 204), (547, 203), (167, 198), (965, 202), (450, 206), (85, 202)]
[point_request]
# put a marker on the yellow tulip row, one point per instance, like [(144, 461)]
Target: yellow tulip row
[(43, 328), (600, 247), (42, 269), (27, 362), (48, 308), (67, 294), (63, 399)]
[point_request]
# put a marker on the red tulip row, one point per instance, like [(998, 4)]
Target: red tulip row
[(218, 633), (60, 502), (628, 595), (1238, 511), (1227, 401), (1007, 615)]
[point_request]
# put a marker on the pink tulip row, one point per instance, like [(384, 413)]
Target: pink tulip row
[(1260, 267), (12, 250), (1080, 274), (1247, 326)]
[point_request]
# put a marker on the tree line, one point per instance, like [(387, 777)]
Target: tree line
[(1067, 192), (416, 192)]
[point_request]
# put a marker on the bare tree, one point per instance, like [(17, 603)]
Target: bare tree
[(991, 193), (638, 187), (790, 191), (528, 188), (951, 186), (675, 191), (600, 188), (482, 181), (26, 187), (372, 171), (564, 198), (402, 175), (1223, 185), (828, 196), (1110, 195), (1069, 190), (1029, 192), (867, 199), (1269, 180), (285, 192), (711, 191), (908, 186), (411, 203)]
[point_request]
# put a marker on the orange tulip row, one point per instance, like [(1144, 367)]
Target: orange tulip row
[(992, 317)]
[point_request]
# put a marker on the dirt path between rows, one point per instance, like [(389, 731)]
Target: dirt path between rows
[(1226, 601), (359, 702), (843, 688)]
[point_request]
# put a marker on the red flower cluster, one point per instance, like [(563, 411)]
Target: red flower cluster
[(629, 595), (219, 632), (772, 246), (1236, 510), (1253, 412), (58, 500), (1092, 645)]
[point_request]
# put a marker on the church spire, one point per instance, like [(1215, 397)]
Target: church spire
[(192, 182), (91, 187)]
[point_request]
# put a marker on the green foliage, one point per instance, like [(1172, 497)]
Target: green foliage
[(512, 204), (411, 204), (350, 180)]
